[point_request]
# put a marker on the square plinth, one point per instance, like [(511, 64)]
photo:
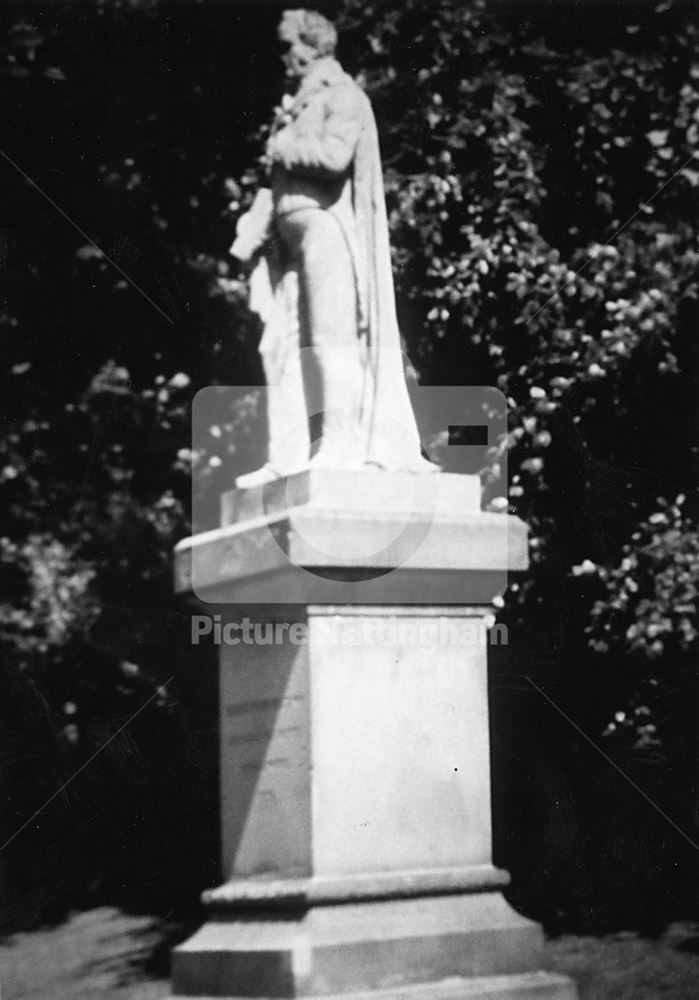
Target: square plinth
[(367, 491), (360, 537)]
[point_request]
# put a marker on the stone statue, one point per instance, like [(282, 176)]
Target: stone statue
[(321, 278)]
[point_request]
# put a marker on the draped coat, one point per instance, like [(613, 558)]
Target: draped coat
[(326, 153)]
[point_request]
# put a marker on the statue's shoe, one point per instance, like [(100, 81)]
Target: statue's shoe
[(267, 474), (260, 477)]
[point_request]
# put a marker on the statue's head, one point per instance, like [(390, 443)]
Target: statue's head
[(309, 36)]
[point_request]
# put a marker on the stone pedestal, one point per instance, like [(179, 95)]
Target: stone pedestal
[(355, 777)]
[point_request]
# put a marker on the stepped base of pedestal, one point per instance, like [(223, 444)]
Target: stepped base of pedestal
[(527, 986), (439, 948)]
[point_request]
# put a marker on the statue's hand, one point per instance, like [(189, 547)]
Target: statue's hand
[(253, 228), (244, 245)]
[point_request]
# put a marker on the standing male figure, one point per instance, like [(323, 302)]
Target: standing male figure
[(324, 280)]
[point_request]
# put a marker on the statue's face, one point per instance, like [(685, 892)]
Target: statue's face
[(297, 58)]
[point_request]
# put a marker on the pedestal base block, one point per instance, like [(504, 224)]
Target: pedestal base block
[(528, 986), (438, 947)]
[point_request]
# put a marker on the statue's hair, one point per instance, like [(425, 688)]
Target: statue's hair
[(311, 28)]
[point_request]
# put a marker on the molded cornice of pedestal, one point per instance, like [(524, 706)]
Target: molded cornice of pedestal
[(300, 893), (322, 533)]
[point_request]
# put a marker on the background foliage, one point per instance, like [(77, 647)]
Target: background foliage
[(543, 206)]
